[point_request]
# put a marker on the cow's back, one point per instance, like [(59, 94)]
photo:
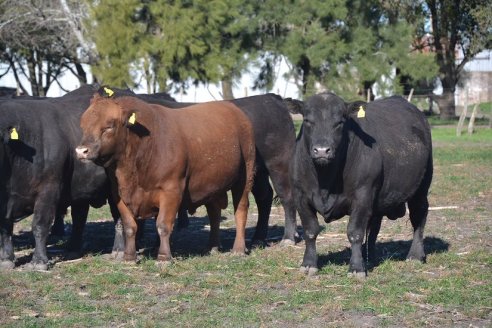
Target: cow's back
[(212, 134), (273, 126), (398, 134)]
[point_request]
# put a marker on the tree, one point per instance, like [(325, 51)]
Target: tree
[(199, 40), (38, 41), (344, 46), (464, 26)]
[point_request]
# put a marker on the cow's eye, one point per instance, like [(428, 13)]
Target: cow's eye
[(308, 123), (107, 129)]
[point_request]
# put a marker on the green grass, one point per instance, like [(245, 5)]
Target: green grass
[(485, 108), (265, 288)]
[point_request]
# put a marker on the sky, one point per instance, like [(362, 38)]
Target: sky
[(201, 93), (282, 87)]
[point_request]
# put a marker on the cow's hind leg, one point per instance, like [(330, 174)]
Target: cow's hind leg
[(183, 219), (356, 230), (263, 193), (168, 207), (279, 172), (373, 231), (119, 240), (418, 208), (213, 211), (44, 214), (6, 246), (79, 214), (240, 193), (58, 227)]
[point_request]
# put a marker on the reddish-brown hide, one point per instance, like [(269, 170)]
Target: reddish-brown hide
[(167, 157)]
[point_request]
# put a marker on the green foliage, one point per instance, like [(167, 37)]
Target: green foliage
[(119, 38), (171, 40), (346, 46)]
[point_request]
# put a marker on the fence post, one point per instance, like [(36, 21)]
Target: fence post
[(462, 116), (472, 119), (410, 95), (368, 95)]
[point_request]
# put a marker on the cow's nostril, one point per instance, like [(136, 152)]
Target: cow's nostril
[(82, 151), (315, 150)]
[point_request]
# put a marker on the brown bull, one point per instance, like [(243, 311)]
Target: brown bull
[(158, 158)]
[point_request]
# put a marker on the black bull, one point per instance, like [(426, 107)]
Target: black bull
[(39, 173), (362, 160)]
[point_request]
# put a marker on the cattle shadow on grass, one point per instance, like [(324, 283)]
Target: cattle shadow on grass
[(98, 239), (394, 250)]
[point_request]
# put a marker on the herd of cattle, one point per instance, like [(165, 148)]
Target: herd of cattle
[(150, 156)]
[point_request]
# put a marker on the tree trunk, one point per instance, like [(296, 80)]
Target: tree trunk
[(446, 105), (81, 74), (32, 75), (305, 65), (227, 89)]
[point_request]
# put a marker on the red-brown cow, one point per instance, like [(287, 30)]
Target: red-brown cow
[(157, 158)]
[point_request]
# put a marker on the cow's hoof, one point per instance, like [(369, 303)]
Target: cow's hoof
[(214, 250), (117, 255), (257, 243), (164, 258), (287, 242), (7, 265), (36, 266), (163, 264), (416, 258), (238, 252), (309, 271), (359, 275)]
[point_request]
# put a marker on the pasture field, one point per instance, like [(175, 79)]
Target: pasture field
[(265, 288)]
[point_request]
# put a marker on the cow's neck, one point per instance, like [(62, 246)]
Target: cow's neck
[(132, 161)]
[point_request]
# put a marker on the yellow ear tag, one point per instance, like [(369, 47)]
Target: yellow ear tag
[(132, 119), (361, 113), (109, 92), (14, 135)]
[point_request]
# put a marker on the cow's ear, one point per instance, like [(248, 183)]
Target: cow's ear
[(131, 118), (12, 133), (356, 108), (294, 106), (106, 91)]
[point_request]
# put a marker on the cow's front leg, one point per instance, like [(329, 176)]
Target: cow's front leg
[(168, 207), (356, 232), (6, 247), (311, 228)]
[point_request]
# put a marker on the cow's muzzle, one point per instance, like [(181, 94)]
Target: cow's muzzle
[(83, 153), (322, 155)]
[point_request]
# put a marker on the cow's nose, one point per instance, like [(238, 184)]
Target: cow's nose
[(82, 152), (321, 151)]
